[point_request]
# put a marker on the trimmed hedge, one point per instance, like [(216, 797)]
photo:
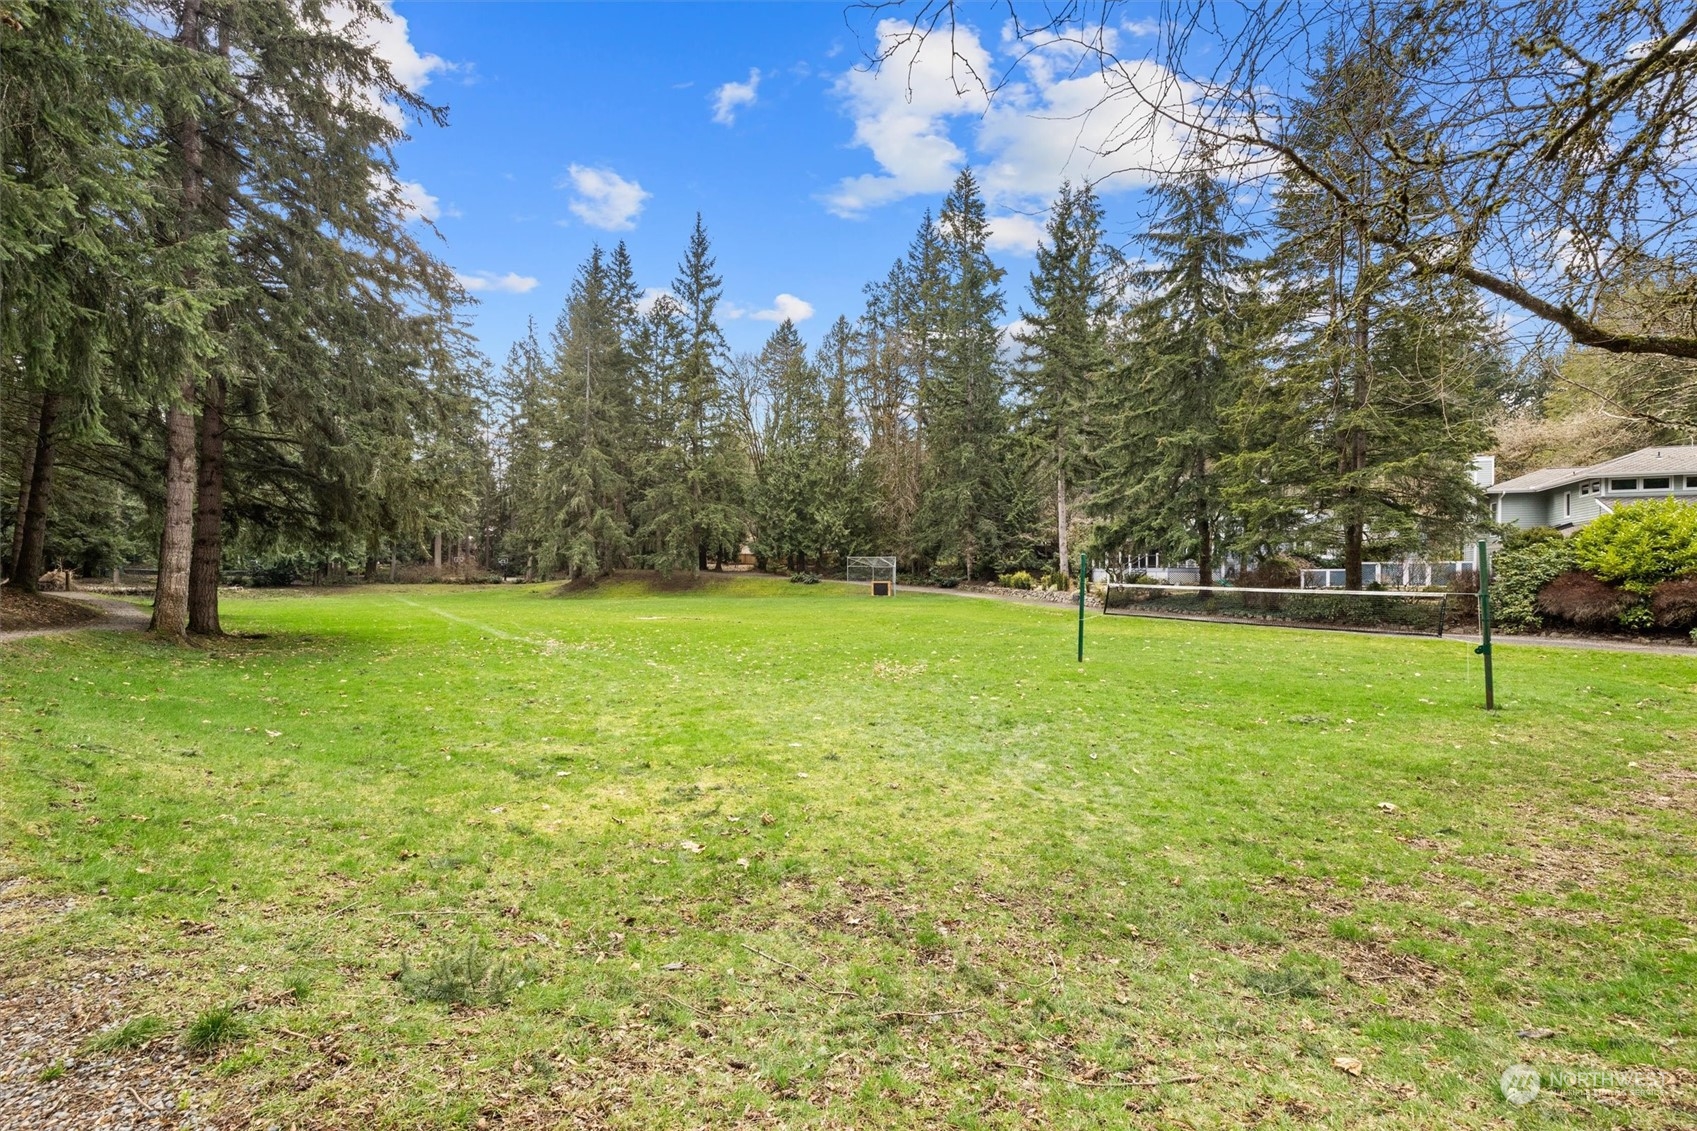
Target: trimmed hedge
[(1520, 572)]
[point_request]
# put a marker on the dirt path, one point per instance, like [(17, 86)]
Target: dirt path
[(116, 616)]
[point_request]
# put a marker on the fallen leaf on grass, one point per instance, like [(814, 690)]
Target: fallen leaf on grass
[(689, 846), (1348, 1064), (1539, 1034), (274, 734), (1386, 807)]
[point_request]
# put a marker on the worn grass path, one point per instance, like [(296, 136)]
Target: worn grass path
[(766, 854)]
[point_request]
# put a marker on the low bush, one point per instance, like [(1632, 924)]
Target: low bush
[(465, 976), (1277, 572), (1055, 579), (1019, 579), (804, 579), (1673, 604), (274, 573), (1583, 601), (1519, 538), (1640, 545), (1517, 577)]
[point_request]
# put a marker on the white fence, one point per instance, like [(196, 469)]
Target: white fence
[(1390, 575)]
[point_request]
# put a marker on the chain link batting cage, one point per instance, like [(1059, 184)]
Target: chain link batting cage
[(1357, 610), (877, 572)]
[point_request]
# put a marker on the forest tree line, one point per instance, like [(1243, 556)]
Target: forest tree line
[(221, 342)]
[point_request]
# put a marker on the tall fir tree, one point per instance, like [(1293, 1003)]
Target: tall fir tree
[(706, 514), (1360, 432), (962, 383), (1160, 485), (1064, 353)]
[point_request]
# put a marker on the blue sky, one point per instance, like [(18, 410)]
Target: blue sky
[(577, 123)]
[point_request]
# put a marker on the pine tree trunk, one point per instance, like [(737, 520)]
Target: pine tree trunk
[(208, 555), (176, 540), (32, 540), (1355, 453), (28, 438), (1204, 538), (701, 557), (437, 551), (1061, 523)]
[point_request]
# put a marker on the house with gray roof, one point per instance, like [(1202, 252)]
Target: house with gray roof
[(1569, 497)]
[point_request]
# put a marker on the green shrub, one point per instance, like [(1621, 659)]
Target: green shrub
[(275, 573), (1640, 544), (1519, 574), (804, 579), (1519, 538), (1019, 579), (466, 976)]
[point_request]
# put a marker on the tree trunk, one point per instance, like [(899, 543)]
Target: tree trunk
[(437, 551), (208, 554), (701, 557), (1204, 537), (28, 439), (1061, 523), (1355, 440), (32, 542), (176, 539)]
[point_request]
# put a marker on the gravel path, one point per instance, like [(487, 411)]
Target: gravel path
[(47, 1080), (119, 616)]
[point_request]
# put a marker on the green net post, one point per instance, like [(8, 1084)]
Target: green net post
[(1083, 587), (1484, 648)]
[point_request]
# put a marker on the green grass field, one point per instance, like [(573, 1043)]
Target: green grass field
[(766, 854)]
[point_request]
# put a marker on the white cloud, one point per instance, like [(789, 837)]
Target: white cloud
[(393, 41), (786, 307), (1015, 232), (604, 200), (510, 283), (1065, 118), (901, 113), (417, 202), (650, 296), (731, 97)]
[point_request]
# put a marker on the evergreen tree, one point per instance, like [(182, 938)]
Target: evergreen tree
[(1065, 351), (1160, 484), (961, 386), (1363, 428), (83, 114), (886, 396), (785, 488), (585, 476), (842, 506), (332, 328), (702, 509)]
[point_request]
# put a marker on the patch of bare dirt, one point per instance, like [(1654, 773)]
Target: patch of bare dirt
[(22, 611)]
